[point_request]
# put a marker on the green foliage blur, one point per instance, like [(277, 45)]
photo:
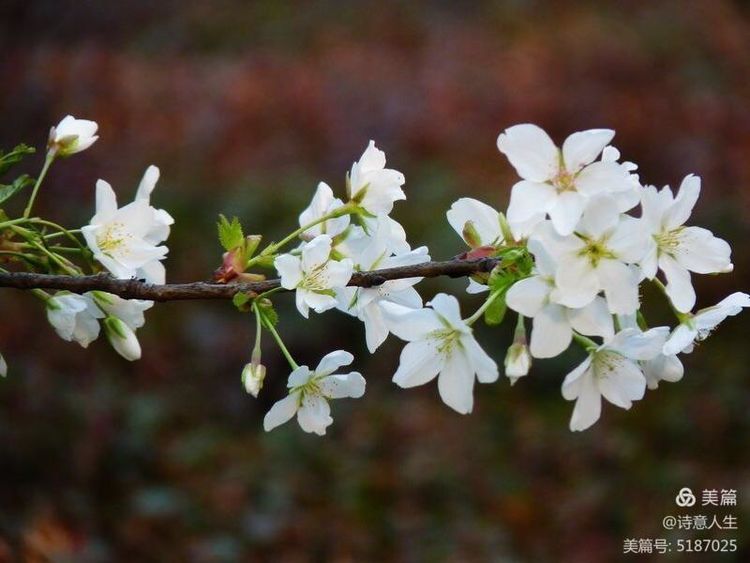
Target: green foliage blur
[(245, 106)]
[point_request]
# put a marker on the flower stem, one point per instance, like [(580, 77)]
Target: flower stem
[(585, 342), (680, 315), (278, 340), (479, 312), (47, 163), (271, 249)]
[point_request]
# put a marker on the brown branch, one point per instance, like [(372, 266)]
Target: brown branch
[(136, 289)]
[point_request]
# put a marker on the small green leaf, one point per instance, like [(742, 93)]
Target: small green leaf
[(266, 309), (7, 160), (241, 301), (230, 233), (495, 313), (7, 191)]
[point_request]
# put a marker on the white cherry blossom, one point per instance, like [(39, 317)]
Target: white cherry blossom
[(698, 326), (440, 344), (126, 240), (72, 135), (558, 181), (678, 250), (553, 324), (366, 302), (310, 390), (611, 371), (74, 317), (517, 361), (323, 203), (373, 186), (599, 257), (313, 275), (122, 338)]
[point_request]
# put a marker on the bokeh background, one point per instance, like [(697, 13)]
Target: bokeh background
[(245, 106)]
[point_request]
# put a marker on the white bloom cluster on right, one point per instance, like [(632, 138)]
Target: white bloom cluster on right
[(569, 213)]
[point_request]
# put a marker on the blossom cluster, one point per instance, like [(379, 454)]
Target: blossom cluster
[(581, 234)]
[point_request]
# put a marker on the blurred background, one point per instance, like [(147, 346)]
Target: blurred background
[(245, 106)]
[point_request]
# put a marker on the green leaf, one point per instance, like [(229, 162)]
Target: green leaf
[(7, 160), (241, 301), (7, 191), (267, 311), (230, 233), (495, 313)]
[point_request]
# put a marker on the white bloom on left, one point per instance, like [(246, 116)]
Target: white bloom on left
[(559, 181), (313, 275), (678, 250), (126, 240), (699, 326), (74, 317), (3, 366), (72, 135), (310, 390), (373, 186), (611, 371), (441, 344)]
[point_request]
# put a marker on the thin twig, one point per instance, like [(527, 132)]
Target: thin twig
[(136, 289)]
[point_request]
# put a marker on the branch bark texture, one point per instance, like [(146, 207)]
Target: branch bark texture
[(136, 289)]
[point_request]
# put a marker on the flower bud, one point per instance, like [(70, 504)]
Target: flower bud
[(471, 235), (122, 338), (252, 377), (3, 366), (517, 361), (72, 135)]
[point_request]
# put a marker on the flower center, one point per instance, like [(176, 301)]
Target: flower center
[(316, 280), (564, 181), (113, 237), (446, 340), (668, 241), (607, 363), (596, 250)]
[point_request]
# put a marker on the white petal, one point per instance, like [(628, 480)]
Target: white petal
[(300, 376), (281, 412), (315, 253), (333, 361), (456, 383), (420, 362), (663, 368), (620, 285), (484, 219), (314, 414), (582, 148), (339, 386), (475, 287), (588, 406), (148, 183), (637, 345), (577, 285), (410, 324), (620, 380), (551, 333), (319, 302), (482, 364), (531, 152), (571, 386), (603, 177), (593, 320), (447, 307), (684, 202), (701, 252), (566, 212), (106, 201), (528, 296), (376, 329), (529, 199), (290, 270), (679, 287), (681, 339)]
